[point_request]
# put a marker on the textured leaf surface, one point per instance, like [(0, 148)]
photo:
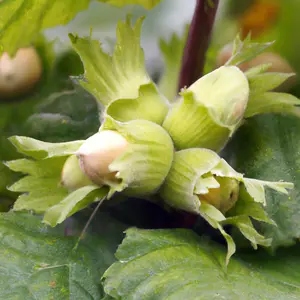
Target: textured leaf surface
[(177, 264), (34, 16), (148, 4), (40, 263), (64, 116), (38, 15), (268, 147)]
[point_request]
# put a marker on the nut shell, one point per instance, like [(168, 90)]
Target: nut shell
[(19, 74), (98, 152)]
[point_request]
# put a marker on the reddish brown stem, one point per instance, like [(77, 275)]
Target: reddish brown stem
[(197, 42)]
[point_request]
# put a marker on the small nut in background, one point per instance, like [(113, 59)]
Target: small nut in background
[(19, 74)]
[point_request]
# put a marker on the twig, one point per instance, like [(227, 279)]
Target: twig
[(197, 42)]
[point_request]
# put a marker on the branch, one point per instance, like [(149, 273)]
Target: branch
[(197, 42)]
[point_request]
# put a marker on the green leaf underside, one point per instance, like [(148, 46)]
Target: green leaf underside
[(257, 70), (270, 150), (152, 263), (39, 201), (34, 16), (37, 16), (40, 263)]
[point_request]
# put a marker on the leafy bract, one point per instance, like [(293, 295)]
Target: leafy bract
[(37, 16), (262, 100), (193, 173), (272, 102), (113, 77), (41, 190), (39, 149), (74, 202), (121, 81), (151, 264), (245, 50), (144, 165), (261, 82), (267, 146), (41, 263)]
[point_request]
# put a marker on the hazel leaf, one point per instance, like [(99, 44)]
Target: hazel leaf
[(150, 264), (37, 16), (39, 262)]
